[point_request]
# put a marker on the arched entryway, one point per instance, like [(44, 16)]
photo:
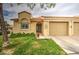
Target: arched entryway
[(39, 29)]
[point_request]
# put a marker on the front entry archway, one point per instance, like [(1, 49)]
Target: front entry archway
[(39, 29)]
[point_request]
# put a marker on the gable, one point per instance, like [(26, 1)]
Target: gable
[(24, 14), (25, 20)]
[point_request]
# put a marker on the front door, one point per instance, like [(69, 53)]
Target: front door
[(39, 29)]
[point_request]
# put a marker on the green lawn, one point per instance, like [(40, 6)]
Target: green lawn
[(29, 45), (0, 43)]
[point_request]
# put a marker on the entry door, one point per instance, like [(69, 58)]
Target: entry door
[(39, 28)]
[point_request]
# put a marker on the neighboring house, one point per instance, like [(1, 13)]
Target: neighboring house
[(46, 25)]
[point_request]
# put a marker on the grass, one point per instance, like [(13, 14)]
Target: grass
[(29, 45), (0, 43)]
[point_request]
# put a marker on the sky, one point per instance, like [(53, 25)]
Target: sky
[(61, 9)]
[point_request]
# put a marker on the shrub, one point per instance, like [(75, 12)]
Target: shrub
[(0, 43), (7, 32), (0, 33), (32, 34), (14, 35)]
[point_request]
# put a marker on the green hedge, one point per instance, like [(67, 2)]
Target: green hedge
[(14, 35), (0, 33), (0, 43), (7, 32)]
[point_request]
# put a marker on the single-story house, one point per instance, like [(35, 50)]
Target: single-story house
[(46, 25)]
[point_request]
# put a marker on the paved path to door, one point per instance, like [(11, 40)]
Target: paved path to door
[(69, 44)]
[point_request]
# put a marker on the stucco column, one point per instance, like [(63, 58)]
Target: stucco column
[(46, 28), (70, 28)]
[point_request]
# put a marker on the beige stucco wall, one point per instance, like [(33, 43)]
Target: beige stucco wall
[(24, 15), (45, 24), (17, 28), (33, 27), (70, 31), (17, 25), (70, 21), (46, 28)]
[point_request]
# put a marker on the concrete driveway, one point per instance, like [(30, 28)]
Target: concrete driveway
[(69, 44)]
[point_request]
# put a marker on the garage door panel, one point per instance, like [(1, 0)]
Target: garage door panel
[(58, 28), (76, 28)]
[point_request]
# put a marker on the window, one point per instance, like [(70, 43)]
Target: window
[(24, 25)]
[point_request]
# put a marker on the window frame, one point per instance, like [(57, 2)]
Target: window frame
[(26, 22)]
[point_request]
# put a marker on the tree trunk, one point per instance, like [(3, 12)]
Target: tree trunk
[(3, 27)]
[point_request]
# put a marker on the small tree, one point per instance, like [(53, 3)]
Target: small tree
[(44, 6), (3, 27)]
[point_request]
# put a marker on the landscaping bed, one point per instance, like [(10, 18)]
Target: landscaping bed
[(29, 45)]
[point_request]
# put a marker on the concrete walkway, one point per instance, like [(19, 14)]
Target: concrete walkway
[(69, 44)]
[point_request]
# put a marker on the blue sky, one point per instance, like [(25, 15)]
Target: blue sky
[(61, 9)]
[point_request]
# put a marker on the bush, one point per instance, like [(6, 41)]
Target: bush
[(7, 32), (14, 35), (0, 43), (0, 33), (32, 34)]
